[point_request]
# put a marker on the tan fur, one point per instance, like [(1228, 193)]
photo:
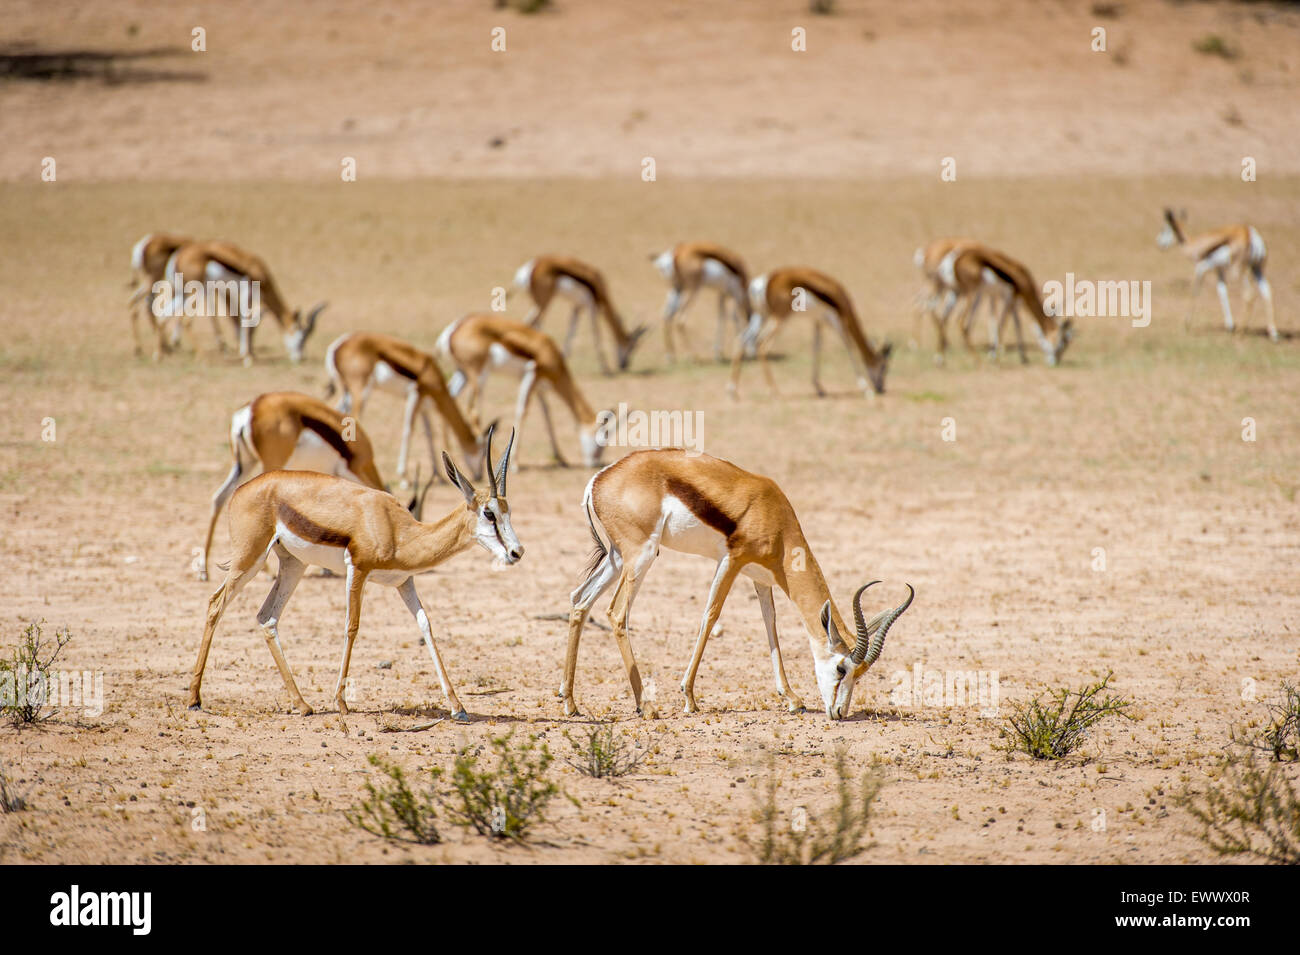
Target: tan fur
[(469, 344), (760, 528), (152, 267), (379, 537), (689, 261), (543, 285), (822, 293), (1244, 262), (354, 357), (276, 422)]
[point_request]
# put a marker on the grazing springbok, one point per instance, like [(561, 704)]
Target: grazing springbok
[(1236, 250), (548, 275), (291, 431), (974, 268), (698, 504), (477, 344), (360, 362), (149, 267), (780, 293), (690, 266), (226, 266), (361, 534), (939, 298)]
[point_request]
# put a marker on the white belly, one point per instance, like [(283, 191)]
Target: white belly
[(332, 558), (385, 378), (684, 532), (502, 357), (716, 275), (311, 453), (574, 291)]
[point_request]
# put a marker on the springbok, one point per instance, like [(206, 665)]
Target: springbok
[(698, 504), (361, 534), (360, 362), (548, 275), (225, 265), (1236, 250), (477, 344), (148, 267), (291, 431), (781, 293), (690, 266)]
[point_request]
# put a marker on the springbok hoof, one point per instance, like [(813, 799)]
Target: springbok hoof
[(460, 716), (196, 706)]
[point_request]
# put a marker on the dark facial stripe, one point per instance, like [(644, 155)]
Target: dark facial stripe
[(701, 506), (330, 436), (307, 529)]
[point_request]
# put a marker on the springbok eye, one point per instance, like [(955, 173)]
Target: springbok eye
[(491, 518)]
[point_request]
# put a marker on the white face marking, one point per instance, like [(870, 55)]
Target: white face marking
[(494, 531)]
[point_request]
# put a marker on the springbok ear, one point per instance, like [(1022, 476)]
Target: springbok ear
[(458, 479), (828, 626)]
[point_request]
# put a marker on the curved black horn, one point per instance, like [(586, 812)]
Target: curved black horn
[(871, 636), (310, 323), (487, 451), (500, 479)]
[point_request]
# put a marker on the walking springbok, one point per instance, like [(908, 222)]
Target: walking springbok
[(291, 431), (228, 266), (148, 267), (361, 534), (1233, 251), (690, 266), (782, 292), (360, 362), (974, 268), (548, 275), (698, 504), (477, 344)]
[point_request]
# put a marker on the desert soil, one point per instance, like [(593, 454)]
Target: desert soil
[(1134, 446)]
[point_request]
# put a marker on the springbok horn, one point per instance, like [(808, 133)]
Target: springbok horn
[(487, 454), (871, 636), (310, 324), (500, 481)]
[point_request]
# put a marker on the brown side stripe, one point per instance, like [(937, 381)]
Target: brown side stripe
[(308, 529), (400, 369), (327, 434), (701, 506)]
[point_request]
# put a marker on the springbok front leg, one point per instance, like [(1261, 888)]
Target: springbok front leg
[(526, 385), (356, 583), (413, 604), (580, 603), (1266, 293), (286, 581), (1221, 284), (723, 578), (768, 608)]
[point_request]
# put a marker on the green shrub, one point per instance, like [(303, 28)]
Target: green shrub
[(392, 811), (35, 655), (1251, 809), (503, 801), (603, 753), (1053, 725)]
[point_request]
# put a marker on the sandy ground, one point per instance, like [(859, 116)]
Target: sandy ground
[(1134, 445)]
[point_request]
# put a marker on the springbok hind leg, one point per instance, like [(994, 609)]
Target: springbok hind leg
[(580, 603), (286, 581), (243, 568)]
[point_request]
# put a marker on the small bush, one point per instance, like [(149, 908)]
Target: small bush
[(1214, 45), (22, 698), (603, 753), (1281, 738), (1251, 809), (822, 8), (825, 838), (1055, 727), (392, 811), (504, 801), (10, 800)]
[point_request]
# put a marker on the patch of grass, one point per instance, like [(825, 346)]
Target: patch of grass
[(925, 396), (1214, 45), (10, 801), (603, 753), (504, 801), (1280, 739), (392, 811), (1251, 809), (828, 837), (25, 677), (1055, 724)]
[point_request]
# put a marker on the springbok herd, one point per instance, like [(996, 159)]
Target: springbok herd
[(319, 497)]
